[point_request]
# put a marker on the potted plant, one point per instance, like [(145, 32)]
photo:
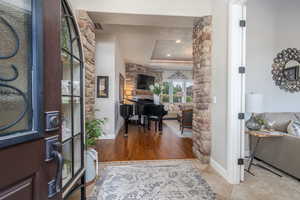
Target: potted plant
[(157, 90), (93, 130)]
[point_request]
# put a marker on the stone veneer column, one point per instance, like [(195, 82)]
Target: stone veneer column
[(87, 30), (202, 75)]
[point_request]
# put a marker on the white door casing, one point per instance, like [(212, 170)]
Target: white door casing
[(236, 90)]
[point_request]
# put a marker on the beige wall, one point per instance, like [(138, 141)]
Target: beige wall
[(219, 82), (271, 28), (109, 62), (119, 69), (195, 8)]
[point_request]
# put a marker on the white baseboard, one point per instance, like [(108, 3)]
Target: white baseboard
[(221, 170), (107, 137)]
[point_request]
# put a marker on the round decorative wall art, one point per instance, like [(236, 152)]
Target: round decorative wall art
[(286, 70)]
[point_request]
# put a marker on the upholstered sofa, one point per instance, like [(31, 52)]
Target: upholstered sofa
[(282, 152), (174, 108)]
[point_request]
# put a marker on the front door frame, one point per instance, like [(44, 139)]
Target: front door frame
[(236, 90)]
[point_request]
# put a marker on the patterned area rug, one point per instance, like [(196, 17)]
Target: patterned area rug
[(152, 180)]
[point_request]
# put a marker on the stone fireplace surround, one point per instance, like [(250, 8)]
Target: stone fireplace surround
[(132, 71)]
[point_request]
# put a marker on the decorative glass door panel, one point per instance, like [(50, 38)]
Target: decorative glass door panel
[(72, 96), (17, 70), (15, 65)]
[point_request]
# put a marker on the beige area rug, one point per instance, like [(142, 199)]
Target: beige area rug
[(174, 127), (262, 186), (152, 180)]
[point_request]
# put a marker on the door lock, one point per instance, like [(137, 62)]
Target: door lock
[(52, 121)]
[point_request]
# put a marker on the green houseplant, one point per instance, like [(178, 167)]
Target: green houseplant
[(93, 130)]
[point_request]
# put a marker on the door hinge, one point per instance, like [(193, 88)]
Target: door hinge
[(240, 161), (242, 23), (242, 70), (241, 116)]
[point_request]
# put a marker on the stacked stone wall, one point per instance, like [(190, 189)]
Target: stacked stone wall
[(202, 75), (87, 33)]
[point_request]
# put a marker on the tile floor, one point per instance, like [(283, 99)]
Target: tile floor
[(263, 186)]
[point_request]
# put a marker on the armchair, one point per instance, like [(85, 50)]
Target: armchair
[(185, 118)]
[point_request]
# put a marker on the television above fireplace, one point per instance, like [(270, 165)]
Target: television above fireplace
[(144, 81)]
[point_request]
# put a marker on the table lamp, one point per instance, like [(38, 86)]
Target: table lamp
[(254, 105)]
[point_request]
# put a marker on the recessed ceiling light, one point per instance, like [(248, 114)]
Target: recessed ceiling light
[(168, 55), (178, 41)]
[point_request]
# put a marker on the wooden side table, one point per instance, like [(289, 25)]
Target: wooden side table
[(260, 135)]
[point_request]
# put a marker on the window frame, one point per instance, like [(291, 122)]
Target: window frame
[(70, 18), (171, 88)]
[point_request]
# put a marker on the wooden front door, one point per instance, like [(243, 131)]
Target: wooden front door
[(30, 100)]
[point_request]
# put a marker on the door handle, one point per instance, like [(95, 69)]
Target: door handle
[(59, 159), (53, 148)]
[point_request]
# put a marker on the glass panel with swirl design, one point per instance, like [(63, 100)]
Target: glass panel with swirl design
[(15, 66)]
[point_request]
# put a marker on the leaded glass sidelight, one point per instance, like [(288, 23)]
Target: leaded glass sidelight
[(19, 67), (72, 97)]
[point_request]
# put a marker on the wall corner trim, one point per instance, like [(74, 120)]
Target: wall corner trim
[(220, 170)]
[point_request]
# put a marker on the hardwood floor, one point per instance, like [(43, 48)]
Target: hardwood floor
[(145, 145)]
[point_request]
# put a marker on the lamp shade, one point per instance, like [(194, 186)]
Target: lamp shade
[(254, 103)]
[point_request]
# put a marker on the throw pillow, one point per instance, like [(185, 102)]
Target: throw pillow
[(294, 128)]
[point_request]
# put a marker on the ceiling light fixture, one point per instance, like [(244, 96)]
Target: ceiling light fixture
[(168, 55), (178, 41)]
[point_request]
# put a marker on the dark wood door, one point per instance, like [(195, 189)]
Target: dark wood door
[(30, 100)]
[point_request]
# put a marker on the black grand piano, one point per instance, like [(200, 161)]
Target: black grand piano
[(146, 111)]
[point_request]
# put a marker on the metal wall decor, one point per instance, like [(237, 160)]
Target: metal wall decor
[(286, 68), (7, 90)]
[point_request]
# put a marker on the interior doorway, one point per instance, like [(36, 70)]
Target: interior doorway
[(177, 55), (263, 102), (145, 50)]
